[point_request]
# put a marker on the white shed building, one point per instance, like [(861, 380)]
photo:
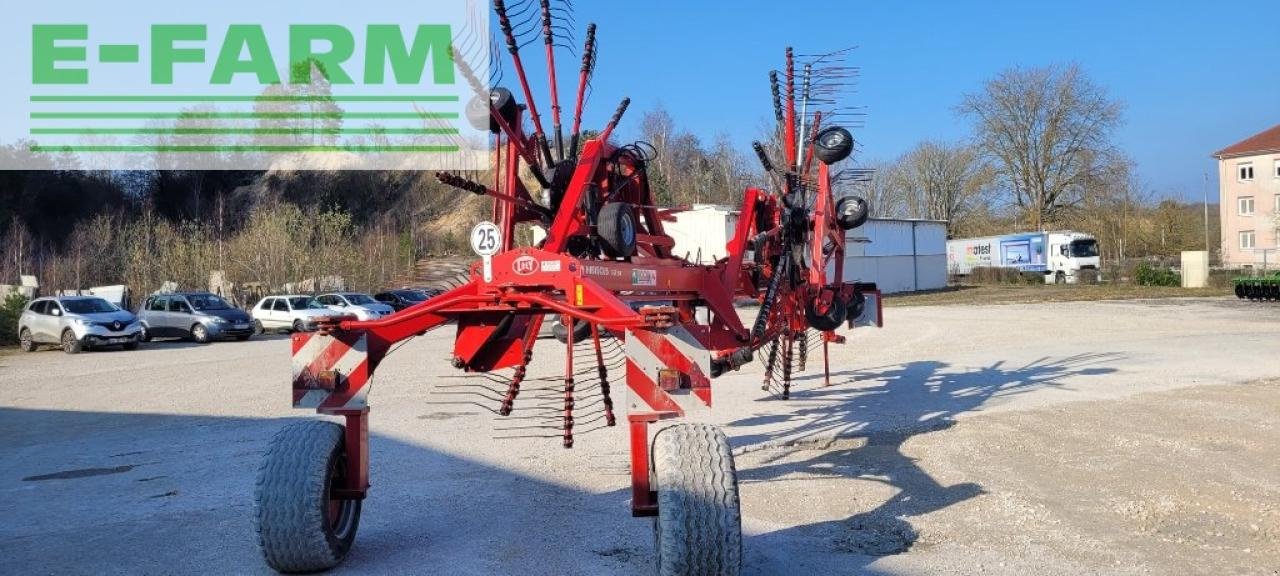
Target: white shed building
[(898, 255)]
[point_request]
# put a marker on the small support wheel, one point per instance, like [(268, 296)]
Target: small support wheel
[(617, 228), (699, 525), (300, 526), (581, 331)]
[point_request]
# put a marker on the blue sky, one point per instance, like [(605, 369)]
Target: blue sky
[(1194, 77)]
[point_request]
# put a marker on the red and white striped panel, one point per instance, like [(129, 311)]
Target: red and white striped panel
[(317, 358), (650, 351)]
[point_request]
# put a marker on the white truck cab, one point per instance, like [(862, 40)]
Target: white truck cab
[(1069, 254)]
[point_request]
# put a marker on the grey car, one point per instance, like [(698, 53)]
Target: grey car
[(200, 316), (77, 323)]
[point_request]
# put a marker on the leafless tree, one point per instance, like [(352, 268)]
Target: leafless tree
[(1048, 132), (942, 181)]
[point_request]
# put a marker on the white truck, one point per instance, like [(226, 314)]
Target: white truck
[(1059, 256)]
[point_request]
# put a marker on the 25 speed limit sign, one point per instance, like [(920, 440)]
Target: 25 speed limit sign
[(486, 240)]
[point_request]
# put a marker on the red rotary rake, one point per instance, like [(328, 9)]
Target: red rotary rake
[(607, 271)]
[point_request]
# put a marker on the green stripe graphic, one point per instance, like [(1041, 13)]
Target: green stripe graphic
[(59, 149), (242, 98), (218, 131), (232, 115)]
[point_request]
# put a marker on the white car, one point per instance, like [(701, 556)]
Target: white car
[(363, 306), (295, 312)]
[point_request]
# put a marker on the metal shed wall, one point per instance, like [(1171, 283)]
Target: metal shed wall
[(898, 255)]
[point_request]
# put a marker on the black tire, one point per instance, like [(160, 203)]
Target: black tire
[(71, 344), (297, 326), (243, 337), (25, 342), (852, 212), (1059, 278), (581, 331), (616, 225), (258, 328), (833, 144), (699, 525), (298, 529), (830, 319), (199, 333), (146, 334), (1240, 293), (130, 346)]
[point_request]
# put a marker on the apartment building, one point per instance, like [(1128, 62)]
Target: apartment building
[(1249, 194)]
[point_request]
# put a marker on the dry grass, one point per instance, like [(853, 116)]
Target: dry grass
[(1003, 294)]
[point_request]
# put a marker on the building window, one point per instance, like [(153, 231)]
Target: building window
[(1276, 208), (1244, 172), (1277, 168), (1246, 206), (1246, 240)]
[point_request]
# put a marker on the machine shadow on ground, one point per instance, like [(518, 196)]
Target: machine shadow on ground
[(856, 430)]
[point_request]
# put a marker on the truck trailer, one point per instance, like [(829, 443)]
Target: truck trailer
[(1058, 256)]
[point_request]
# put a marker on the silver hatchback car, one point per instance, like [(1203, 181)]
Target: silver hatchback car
[(77, 323)]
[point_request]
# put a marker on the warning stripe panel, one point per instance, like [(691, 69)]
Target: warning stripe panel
[(315, 354)]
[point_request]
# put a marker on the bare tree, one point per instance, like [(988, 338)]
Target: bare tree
[(1047, 130), (876, 185), (942, 181)]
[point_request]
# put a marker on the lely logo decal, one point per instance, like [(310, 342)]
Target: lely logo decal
[(524, 265)]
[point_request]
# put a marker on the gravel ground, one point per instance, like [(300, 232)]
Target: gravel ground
[(1136, 437)]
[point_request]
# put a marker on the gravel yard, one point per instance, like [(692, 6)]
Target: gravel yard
[(1114, 437)]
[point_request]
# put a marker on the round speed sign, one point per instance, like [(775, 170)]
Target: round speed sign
[(486, 239)]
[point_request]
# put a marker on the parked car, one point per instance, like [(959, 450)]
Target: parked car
[(403, 298), (200, 316), (77, 323), (363, 306), (293, 313)]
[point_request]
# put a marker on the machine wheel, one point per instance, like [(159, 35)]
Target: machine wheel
[(300, 528), (829, 320), (852, 212), (699, 526), (581, 331), (25, 343), (71, 344), (616, 225), (297, 326), (199, 333)]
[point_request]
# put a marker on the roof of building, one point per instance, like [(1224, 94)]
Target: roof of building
[(1261, 143)]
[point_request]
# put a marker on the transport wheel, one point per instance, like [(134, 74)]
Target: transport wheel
[(830, 319), (1240, 291), (130, 346), (581, 331), (297, 326), (243, 337), (699, 526), (199, 333), (300, 527), (1060, 278), (25, 343), (616, 225), (146, 334), (258, 328), (71, 344)]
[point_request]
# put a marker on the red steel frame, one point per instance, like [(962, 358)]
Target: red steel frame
[(638, 299)]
